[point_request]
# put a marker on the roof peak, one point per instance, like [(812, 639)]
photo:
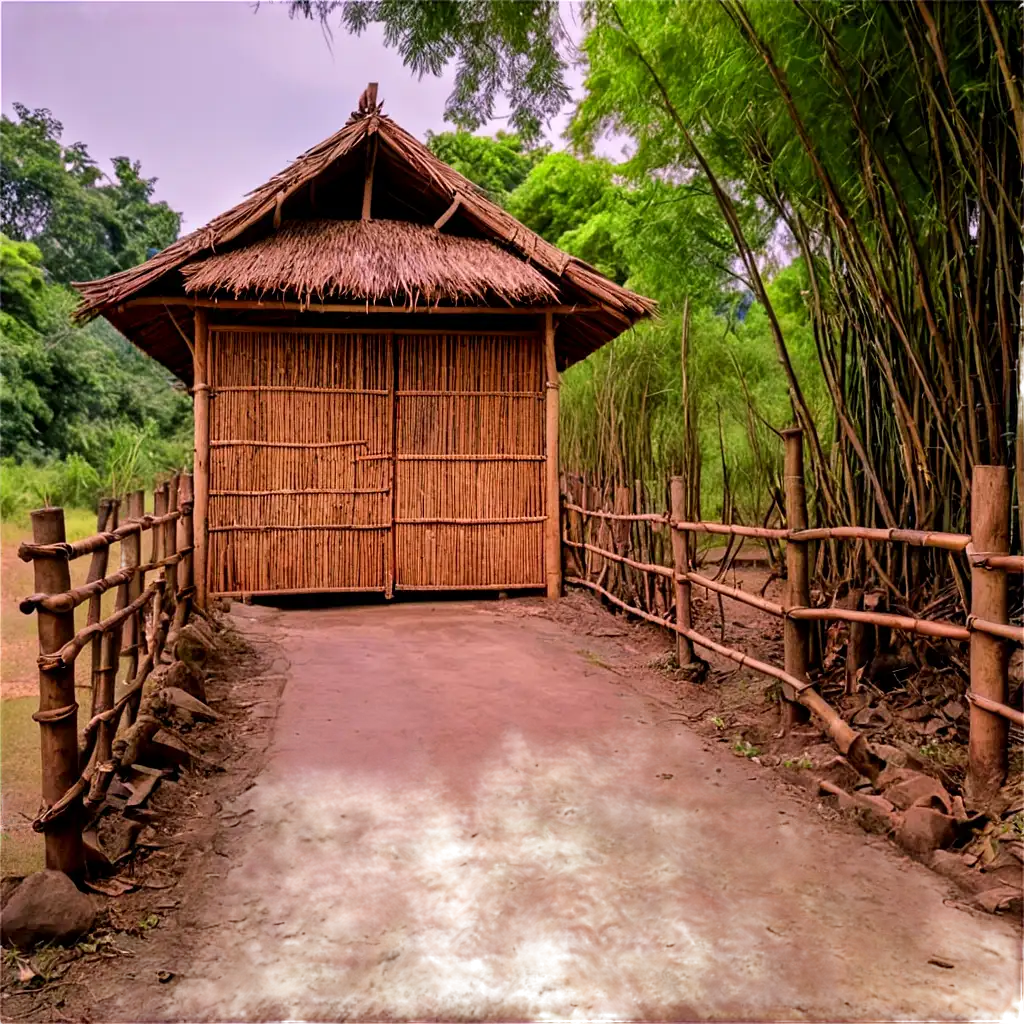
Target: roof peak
[(367, 105)]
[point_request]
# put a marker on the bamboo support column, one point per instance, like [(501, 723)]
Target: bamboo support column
[(201, 453), (58, 710), (681, 564), (552, 526), (990, 534), (798, 592)]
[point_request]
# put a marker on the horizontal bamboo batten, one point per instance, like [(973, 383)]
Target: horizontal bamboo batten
[(915, 538), (905, 623)]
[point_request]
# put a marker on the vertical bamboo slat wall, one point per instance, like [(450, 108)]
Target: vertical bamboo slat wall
[(310, 430), (470, 461)]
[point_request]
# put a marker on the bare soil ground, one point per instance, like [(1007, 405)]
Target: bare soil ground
[(495, 810)]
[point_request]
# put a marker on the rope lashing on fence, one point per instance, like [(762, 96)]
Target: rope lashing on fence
[(989, 560), (75, 549), (54, 715), (67, 654)]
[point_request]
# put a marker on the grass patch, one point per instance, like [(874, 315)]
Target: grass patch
[(21, 849)]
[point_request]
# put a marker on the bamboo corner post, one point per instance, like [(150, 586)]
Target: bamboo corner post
[(990, 533), (798, 591), (681, 564), (201, 454), (58, 710), (552, 526)]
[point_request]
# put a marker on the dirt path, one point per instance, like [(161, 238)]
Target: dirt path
[(467, 813)]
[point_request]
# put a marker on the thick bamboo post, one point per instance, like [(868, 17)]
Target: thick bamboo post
[(201, 453), (131, 556), (681, 564), (990, 533), (552, 526), (58, 711), (797, 634)]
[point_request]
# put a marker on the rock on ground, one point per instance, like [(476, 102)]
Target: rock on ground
[(46, 907)]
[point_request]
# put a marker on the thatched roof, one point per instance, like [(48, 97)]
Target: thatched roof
[(326, 183), (374, 260)]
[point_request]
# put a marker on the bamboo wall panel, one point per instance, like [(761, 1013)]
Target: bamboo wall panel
[(301, 437), (469, 461)]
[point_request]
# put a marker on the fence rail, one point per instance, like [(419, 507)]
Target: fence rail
[(125, 646), (986, 629)]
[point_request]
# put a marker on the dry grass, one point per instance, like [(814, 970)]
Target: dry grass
[(390, 260)]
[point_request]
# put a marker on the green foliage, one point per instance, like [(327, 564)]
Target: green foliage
[(510, 48), (85, 225), (498, 165), (84, 413)]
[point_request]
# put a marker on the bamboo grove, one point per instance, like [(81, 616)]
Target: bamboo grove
[(885, 141)]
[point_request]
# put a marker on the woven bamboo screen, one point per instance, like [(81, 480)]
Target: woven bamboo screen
[(469, 508), (308, 431)]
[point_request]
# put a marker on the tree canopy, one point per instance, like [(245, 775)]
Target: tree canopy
[(79, 404), (55, 195)]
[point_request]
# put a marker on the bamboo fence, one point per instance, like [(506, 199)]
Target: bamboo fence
[(644, 562), (125, 646)]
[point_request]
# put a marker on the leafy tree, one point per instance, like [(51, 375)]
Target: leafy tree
[(54, 195), (497, 164), (499, 47)]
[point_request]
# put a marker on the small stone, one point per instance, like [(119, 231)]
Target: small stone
[(924, 829), (46, 907)]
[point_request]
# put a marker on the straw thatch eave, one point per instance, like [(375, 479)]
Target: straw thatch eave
[(418, 181)]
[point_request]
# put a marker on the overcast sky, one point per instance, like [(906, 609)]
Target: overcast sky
[(212, 98)]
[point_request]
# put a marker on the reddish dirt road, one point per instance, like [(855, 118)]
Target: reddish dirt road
[(468, 812)]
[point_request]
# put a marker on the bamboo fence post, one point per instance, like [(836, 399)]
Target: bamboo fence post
[(552, 527), (131, 557), (183, 544), (106, 519), (201, 454), (681, 565), (58, 710), (157, 536), (990, 531), (106, 682), (170, 549), (798, 593)]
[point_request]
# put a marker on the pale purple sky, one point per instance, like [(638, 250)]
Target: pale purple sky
[(212, 98)]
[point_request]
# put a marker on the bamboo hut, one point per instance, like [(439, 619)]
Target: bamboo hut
[(373, 348)]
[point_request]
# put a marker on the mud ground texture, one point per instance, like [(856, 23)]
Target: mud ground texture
[(495, 810)]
